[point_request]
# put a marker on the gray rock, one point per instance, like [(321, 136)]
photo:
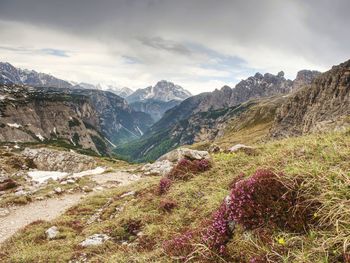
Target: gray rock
[(58, 190), (95, 240), (242, 148), (180, 153), (52, 232), (158, 168)]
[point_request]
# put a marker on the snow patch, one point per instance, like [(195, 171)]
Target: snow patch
[(111, 143), (42, 176), (40, 137), (137, 127), (14, 125)]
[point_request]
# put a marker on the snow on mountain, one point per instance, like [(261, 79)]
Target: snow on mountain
[(12, 75), (162, 91)]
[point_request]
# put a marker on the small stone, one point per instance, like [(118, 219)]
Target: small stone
[(58, 190), (4, 212), (52, 232), (249, 150), (64, 182), (20, 193), (128, 194), (98, 188), (140, 234), (125, 243), (95, 240), (39, 198), (86, 189), (70, 181)]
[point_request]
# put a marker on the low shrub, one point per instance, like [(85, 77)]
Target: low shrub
[(164, 185), (167, 205), (186, 168), (263, 199), (181, 246)]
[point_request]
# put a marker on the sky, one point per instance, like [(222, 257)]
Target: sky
[(198, 44)]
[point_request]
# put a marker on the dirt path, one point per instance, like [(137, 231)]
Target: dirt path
[(49, 209), (21, 216)]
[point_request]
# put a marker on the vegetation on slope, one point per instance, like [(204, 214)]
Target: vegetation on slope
[(315, 169)]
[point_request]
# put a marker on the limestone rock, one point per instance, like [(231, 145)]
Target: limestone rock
[(180, 153), (52, 232), (95, 240), (158, 168), (242, 148)]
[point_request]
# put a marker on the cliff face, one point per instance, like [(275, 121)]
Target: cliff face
[(323, 105), (28, 115), (87, 119)]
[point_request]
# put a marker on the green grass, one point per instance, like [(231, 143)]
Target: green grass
[(321, 162)]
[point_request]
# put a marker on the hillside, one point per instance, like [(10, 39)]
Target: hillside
[(323, 105), (83, 119), (204, 117), (141, 225)]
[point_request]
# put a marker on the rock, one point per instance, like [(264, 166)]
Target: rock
[(128, 194), (158, 168), (70, 181), (214, 148), (63, 161), (98, 188), (242, 148), (95, 240), (58, 190), (20, 193), (8, 183), (4, 212), (52, 232), (86, 189), (180, 153)]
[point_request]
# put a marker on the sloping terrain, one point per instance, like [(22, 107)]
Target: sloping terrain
[(202, 117), (141, 225), (323, 105), (87, 119)]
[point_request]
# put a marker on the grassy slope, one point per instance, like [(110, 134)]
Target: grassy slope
[(321, 161)]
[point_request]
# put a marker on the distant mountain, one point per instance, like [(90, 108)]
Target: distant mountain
[(122, 92), (183, 123), (162, 91), (155, 108), (83, 118), (12, 75), (320, 106)]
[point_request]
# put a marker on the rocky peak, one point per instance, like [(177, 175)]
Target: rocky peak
[(163, 91), (12, 75), (321, 105), (305, 77)]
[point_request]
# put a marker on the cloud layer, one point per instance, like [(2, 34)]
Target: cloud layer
[(199, 44)]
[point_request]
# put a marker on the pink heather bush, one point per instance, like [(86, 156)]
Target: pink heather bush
[(263, 199), (164, 185), (186, 168), (219, 232), (180, 246)]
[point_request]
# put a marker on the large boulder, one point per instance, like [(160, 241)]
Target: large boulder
[(54, 160), (184, 153), (158, 168)]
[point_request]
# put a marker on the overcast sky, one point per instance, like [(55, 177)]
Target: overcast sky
[(199, 44)]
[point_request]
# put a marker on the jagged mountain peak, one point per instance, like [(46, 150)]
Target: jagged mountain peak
[(163, 91)]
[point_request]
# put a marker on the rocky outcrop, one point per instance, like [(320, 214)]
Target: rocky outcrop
[(184, 153), (304, 78), (63, 161), (323, 105), (158, 168)]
